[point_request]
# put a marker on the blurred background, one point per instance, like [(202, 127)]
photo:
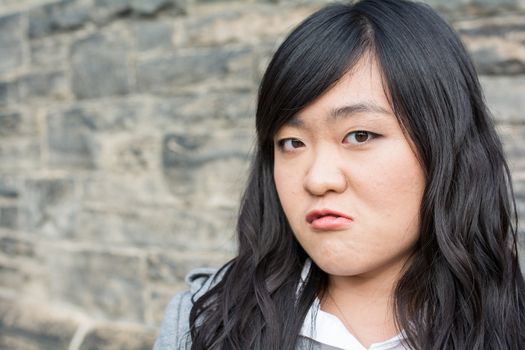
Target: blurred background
[(126, 129)]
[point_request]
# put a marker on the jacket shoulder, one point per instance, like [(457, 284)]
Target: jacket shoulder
[(175, 329)]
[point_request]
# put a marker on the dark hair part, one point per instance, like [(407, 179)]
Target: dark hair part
[(463, 288)]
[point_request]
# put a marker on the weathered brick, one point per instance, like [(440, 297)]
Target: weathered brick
[(56, 17), (151, 35), (193, 161), (150, 7), (9, 216), (113, 336), (34, 326), (218, 67), (50, 52), (512, 137), (17, 122), (49, 207), (19, 153), (70, 138), (48, 85), (505, 97), (8, 93), (242, 24), (11, 42), (105, 10), (14, 246), (127, 189), (13, 276), (219, 110), (495, 56), (158, 227), (9, 186), (100, 66), (10, 122), (102, 283), (76, 132)]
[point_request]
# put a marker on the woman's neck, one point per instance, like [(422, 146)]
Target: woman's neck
[(364, 305)]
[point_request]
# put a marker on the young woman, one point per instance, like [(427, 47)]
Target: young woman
[(379, 211)]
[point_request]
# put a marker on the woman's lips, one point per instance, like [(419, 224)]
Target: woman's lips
[(330, 223), (326, 219)]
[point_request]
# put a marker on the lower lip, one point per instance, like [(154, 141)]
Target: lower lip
[(331, 223)]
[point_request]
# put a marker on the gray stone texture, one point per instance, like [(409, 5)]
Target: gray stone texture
[(218, 68), (117, 336), (11, 42), (115, 282), (126, 130), (152, 34), (55, 17), (100, 66), (33, 326), (49, 207)]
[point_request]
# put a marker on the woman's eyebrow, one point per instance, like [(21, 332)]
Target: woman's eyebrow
[(344, 112)]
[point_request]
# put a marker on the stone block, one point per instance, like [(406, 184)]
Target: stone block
[(11, 42), (9, 216), (104, 284), (77, 132), (44, 85), (10, 123), (493, 57), (105, 10), (9, 186), (17, 122), (100, 66), (19, 153), (14, 246), (154, 226), (119, 336), (509, 28), (9, 95), (505, 97), (222, 156), (216, 68), (34, 326), (217, 110), (127, 189), (13, 276), (136, 154), (150, 35), (246, 24), (494, 4), (110, 115), (49, 52), (49, 207), (513, 139), (56, 17), (495, 43), (150, 7), (71, 139)]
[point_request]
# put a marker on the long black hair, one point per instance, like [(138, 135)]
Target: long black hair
[(463, 288)]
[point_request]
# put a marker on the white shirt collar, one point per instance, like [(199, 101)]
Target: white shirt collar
[(327, 329)]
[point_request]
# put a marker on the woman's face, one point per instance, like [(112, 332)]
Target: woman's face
[(346, 152)]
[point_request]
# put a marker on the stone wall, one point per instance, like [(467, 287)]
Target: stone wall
[(126, 127)]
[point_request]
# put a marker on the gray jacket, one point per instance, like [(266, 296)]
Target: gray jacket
[(174, 332)]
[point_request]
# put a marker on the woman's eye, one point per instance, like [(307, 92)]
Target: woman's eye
[(360, 137), (289, 144)]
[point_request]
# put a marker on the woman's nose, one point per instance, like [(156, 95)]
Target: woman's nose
[(325, 174)]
